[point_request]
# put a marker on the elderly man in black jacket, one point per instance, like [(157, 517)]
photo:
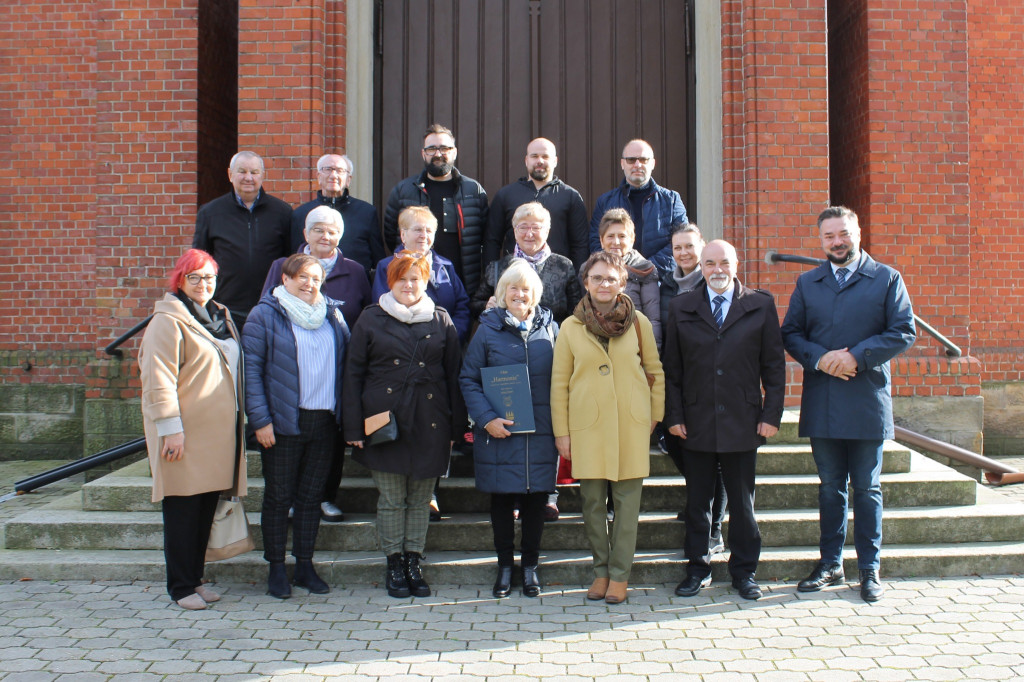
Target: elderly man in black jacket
[(570, 228), (722, 347), (458, 202)]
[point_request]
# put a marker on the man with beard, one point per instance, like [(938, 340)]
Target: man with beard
[(459, 203), (569, 229), (361, 241), (722, 346), (245, 231), (847, 318), (654, 209)]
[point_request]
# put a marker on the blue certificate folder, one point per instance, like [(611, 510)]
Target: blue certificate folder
[(507, 387)]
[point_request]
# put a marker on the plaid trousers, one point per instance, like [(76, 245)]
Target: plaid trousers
[(294, 470), (403, 511)]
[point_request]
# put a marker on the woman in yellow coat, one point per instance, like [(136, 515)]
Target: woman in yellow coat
[(607, 394)]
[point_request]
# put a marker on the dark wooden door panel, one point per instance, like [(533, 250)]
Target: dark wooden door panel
[(589, 74)]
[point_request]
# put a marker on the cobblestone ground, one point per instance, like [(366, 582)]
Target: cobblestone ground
[(940, 629)]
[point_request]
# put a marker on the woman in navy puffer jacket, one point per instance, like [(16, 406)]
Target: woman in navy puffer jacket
[(295, 341), (514, 467)]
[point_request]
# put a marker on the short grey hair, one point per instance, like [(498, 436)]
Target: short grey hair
[(519, 272), (344, 157), (246, 155), (327, 216), (532, 209)]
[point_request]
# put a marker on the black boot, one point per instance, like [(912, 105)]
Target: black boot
[(531, 583), (305, 576), (394, 577), (417, 585), (277, 582), (503, 583)]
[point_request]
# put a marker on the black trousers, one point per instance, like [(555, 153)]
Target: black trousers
[(531, 517), (744, 536), (334, 475), (294, 470), (187, 521), (674, 445)]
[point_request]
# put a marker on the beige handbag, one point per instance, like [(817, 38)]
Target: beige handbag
[(229, 534)]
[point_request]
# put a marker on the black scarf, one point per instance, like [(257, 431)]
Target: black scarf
[(211, 317)]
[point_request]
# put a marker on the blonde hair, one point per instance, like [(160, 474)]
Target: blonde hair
[(519, 272)]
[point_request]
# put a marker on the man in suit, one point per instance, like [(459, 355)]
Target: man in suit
[(722, 346), (847, 318)]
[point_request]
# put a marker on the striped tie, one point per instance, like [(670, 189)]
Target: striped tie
[(717, 301), (841, 274)]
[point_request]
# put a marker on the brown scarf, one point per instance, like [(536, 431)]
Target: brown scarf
[(615, 323)]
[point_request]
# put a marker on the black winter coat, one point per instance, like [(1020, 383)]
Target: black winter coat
[(522, 462), (471, 200), (570, 228), (562, 288), (411, 369)]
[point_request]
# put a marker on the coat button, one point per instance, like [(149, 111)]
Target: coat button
[(721, 408), (719, 372), (427, 336), (389, 390), (423, 364), (396, 361), (433, 426), (430, 396)]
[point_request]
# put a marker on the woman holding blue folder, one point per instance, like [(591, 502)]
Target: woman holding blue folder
[(513, 465)]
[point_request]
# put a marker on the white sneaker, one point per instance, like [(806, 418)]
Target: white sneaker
[(329, 512)]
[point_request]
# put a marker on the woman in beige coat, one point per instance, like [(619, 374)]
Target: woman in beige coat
[(192, 411), (607, 393)]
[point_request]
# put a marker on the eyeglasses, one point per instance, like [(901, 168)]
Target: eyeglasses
[(320, 232), (306, 279), (255, 172), (633, 159), (523, 227), (195, 279), (330, 170), (419, 230), (597, 280), (433, 150)]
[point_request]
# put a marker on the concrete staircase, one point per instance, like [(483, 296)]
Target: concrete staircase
[(937, 523)]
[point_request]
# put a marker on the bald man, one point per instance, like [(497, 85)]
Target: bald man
[(569, 229), (723, 347)]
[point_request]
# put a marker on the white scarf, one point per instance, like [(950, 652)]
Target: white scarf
[(299, 312), (421, 311)]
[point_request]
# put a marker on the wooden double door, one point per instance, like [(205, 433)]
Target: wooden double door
[(588, 74)]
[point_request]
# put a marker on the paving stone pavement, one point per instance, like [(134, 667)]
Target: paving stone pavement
[(923, 629)]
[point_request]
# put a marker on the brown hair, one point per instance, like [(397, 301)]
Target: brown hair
[(613, 216), (298, 262), (612, 260)]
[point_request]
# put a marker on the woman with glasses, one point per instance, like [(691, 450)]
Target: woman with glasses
[(607, 393), (403, 368), (295, 341), (617, 236), (189, 364), (346, 283)]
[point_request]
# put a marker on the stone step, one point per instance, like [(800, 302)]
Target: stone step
[(925, 485), (60, 526), (559, 568), (785, 458)]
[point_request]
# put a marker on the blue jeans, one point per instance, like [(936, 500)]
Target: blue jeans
[(859, 463)]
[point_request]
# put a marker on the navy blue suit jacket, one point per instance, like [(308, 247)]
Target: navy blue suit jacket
[(872, 317)]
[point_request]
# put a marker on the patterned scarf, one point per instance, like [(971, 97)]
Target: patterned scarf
[(421, 311), (615, 323), (299, 312), (535, 259)]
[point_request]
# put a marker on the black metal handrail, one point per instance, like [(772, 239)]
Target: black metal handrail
[(112, 347), (952, 350), (79, 465)]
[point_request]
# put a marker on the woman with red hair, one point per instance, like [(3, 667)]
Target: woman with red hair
[(404, 360), (189, 364)]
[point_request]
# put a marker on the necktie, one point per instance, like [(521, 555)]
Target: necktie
[(717, 302), (841, 274)]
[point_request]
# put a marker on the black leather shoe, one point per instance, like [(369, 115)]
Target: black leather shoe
[(716, 545), (305, 576), (531, 583), (823, 575), (747, 587), (417, 585), (394, 577), (692, 585), (277, 582), (503, 583), (870, 586)]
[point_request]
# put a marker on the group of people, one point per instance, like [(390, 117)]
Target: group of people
[(623, 323)]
